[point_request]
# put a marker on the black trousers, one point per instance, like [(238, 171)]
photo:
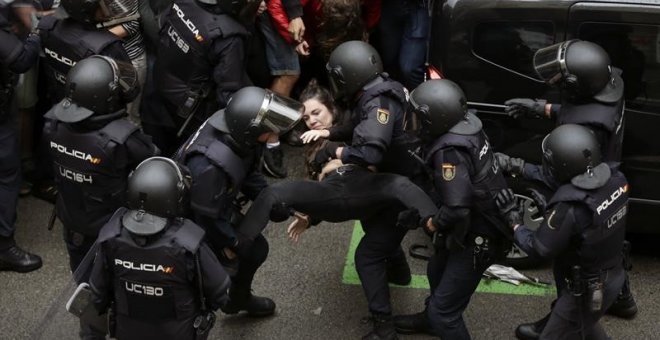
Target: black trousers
[(10, 173), (349, 193), (571, 317)]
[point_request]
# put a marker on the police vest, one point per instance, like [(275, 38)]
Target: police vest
[(184, 67), (90, 172), (399, 157), (65, 42), (487, 179), (598, 246), (210, 143), (604, 116), (154, 285)]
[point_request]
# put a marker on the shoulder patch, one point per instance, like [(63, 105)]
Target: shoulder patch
[(383, 116), (448, 171)]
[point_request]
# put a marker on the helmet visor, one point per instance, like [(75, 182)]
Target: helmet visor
[(550, 62), (278, 114), (113, 9), (336, 79), (125, 77)]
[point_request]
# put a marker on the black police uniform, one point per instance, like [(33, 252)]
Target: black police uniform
[(584, 228), (466, 178), (15, 57), (221, 170), (604, 119), (65, 42), (200, 53), (91, 162), (151, 283), (379, 139)]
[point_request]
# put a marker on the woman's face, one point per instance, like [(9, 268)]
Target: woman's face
[(316, 116)]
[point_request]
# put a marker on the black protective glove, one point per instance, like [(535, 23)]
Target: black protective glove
[(324, 155), (410, 219), (539, 200), (509, 165), (280, 212), (507, 203), (525, 107)]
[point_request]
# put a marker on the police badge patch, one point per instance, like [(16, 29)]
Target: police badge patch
[(383, 116), (448, 171)]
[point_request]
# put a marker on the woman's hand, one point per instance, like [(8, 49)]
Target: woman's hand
[(312, 135), (303, 48), (330, 167), (298, 226)]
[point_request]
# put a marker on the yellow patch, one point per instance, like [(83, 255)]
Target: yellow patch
[(448, 171), (383, 116)]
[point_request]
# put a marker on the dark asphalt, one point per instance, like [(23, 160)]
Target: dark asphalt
[(305, 280)]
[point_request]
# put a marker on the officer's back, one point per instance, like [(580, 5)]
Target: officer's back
[(93, 146), (152, 263)]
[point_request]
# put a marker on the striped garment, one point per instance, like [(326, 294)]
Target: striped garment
[(133, 42)]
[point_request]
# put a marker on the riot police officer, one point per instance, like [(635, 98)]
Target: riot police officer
[(356, 76), (583, 231), (469, 235), (593, 97), (201, 63), (93, 147), (153, 268), (67, 41), (222, 158), (15, 57), (592, 92)]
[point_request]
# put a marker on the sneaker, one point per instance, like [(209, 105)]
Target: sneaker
[(413, 324), (274, 162), (18, 260)]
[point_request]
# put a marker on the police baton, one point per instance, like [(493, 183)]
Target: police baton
[(496, 109)]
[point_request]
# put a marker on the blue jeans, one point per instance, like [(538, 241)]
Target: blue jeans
[(404, 32)]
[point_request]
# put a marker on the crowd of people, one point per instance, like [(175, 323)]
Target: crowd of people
[(158, 119)]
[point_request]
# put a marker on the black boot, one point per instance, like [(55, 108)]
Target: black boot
[(623, 307), (531, 331), (13, 258), (398, 273), (243, 300), (383, 328), (413, 324)]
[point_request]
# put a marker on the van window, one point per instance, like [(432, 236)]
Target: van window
[(512, 45), (636, 50)]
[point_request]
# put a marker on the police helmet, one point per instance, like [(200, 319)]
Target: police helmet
[(351, 66), (157, 190), (253, 111), (96, 11), (440, 104), (582, 68), (97, 85), (570, 150)]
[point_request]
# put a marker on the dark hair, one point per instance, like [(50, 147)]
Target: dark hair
[(341, 21), (315, 91)]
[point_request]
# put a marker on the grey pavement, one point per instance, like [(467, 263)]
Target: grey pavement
[(305, 280)]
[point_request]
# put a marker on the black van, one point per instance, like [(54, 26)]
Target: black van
[(487, 47)]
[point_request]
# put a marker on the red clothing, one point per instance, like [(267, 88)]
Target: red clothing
[(312, 12)]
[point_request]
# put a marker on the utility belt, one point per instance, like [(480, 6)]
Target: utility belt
[(588, 286), (347, 168), (485, 249), (188, 109)]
